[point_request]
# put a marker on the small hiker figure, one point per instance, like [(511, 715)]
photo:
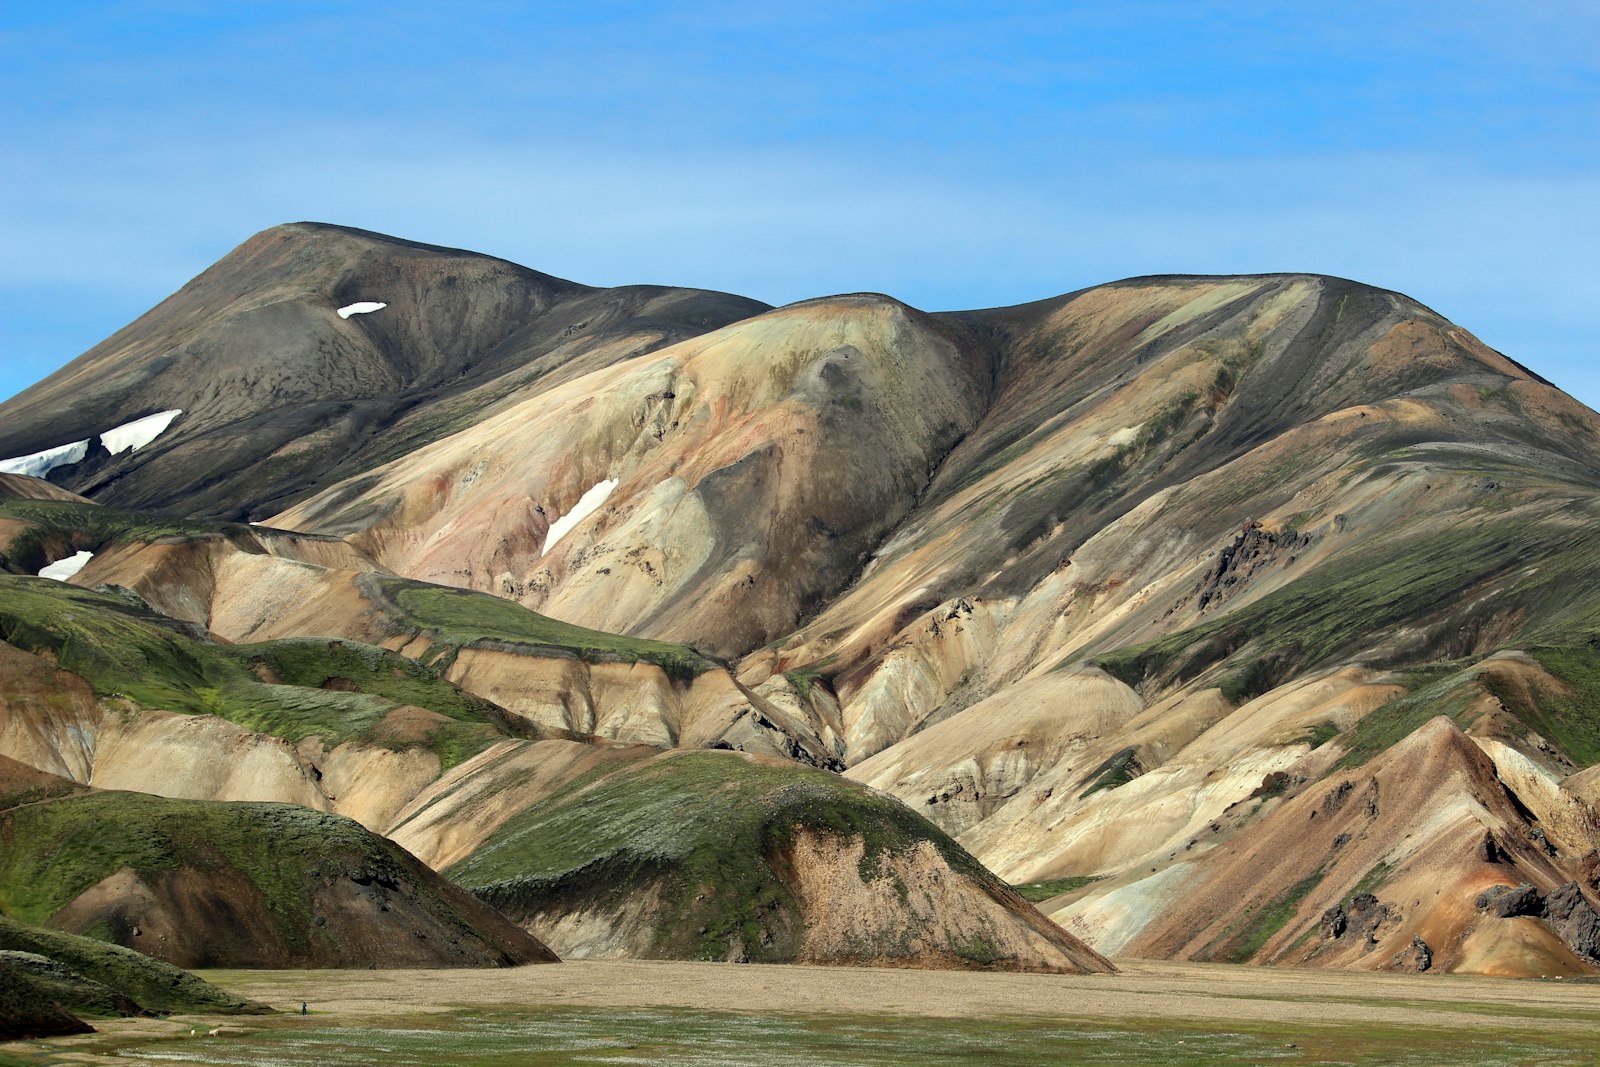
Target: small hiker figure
[(303, 1008)]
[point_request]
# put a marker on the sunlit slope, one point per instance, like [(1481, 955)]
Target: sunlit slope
[(254, 583), (755, 469), (1225, 458)]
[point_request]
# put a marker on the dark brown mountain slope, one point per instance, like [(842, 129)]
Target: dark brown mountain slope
[(280, 393)]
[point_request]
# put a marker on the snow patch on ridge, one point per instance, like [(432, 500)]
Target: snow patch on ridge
[(41, 463), (62, 569), (138, 433), (361, 307), (587, 505), (129, 436)]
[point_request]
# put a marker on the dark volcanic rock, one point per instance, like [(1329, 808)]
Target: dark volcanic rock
[(1254, 551), (1416, 957), (1489, 850), (1506, 902), (1575, 920)]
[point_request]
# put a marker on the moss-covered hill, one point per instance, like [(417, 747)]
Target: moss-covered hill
[(36, 531), (246, 885), (92, 977), (713, 855), (336, 690)]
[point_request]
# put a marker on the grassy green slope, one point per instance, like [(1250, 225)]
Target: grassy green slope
[(1409, 601), (29, 1008), (62, 847), (458, 618), (1569, 718), (124, 650), (706, 826), (154, 985), (91, 526)]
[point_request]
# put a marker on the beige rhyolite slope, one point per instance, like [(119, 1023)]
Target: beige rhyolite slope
[(1102, 585), (755, 469)]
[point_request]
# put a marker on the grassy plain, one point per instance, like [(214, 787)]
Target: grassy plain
[(613, 1012)]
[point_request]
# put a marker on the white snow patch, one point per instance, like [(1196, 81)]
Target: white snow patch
[(62, 569), (361, 307), (1124, 436), (138, 433), (587, 505), (41, 463), (130, 435)]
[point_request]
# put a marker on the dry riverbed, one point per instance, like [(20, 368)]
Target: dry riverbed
[(599, 1012)]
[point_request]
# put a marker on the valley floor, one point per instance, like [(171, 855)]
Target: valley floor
[(606, 1012)]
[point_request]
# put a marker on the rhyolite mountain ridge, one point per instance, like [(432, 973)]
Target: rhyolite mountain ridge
[(1237, 618)]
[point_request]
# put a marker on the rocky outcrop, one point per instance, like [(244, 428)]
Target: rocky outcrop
[(1574, 917), (1252, 552)]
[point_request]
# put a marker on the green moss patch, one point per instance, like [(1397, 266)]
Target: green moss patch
[(1550, 576), (57, 850), (1244, 937), (1570, 720), (459, 618), (1034, 892), (1116, 771), (1319, 735), (1390, 724), (107, 523)]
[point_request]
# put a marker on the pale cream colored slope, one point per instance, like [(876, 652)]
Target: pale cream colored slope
[(1331, 419), (756, 466), (63, 729), (448, 821), (1409, 829), (964, 769), (1190, 758), (968, 523)]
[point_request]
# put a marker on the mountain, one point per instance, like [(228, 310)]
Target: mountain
[(279, 392), (1115, 589)]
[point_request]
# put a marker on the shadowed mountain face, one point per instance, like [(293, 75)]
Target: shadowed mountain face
[(1117, 585), (279, 392)]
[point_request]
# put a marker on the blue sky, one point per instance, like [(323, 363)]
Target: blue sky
[(954, 155)]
